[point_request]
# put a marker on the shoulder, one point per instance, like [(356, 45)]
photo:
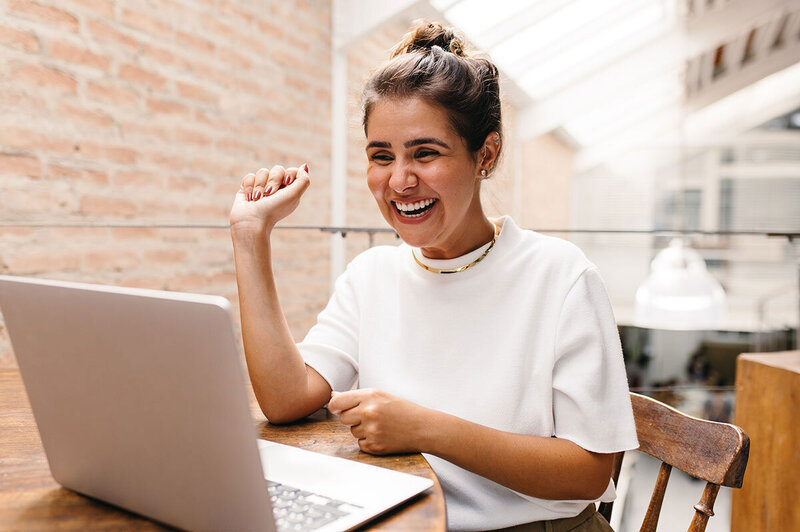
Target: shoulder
[(375, 259), (555, 256)]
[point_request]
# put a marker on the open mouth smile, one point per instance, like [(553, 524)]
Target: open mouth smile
[(416, 209)]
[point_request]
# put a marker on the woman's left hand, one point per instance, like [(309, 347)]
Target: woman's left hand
[(382, 423)]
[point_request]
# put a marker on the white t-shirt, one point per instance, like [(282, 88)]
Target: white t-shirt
[(525, 341)]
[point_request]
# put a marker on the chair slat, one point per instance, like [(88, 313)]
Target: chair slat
[(714, 452), (656, 499), (705, 508)]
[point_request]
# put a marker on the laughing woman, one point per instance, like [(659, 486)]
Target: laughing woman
[(489, 348)]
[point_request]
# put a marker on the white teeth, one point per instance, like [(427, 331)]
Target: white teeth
[(414, 206), (405, 208)]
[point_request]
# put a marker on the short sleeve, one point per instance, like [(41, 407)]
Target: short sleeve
[(331, 346), (591, 401)]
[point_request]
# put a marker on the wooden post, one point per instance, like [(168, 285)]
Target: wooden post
[(767, 392)]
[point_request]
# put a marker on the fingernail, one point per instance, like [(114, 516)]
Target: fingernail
[(286, 179), (268, 191), (249, 196), (305, 167), (258, 195)]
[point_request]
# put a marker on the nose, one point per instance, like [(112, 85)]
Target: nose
[(403, 177)]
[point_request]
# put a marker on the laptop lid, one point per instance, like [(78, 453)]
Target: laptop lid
[(139, 399)]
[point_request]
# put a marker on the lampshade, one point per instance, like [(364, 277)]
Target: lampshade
[(680, 293)]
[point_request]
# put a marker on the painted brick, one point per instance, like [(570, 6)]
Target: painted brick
[(223, 32), (31, 140), (167, 107), (117, 154), (134, 233), (72, 113), (169, 113), (26, 165), (146, 23), (76, 54), (131, 130), (92, 205), (49, 15), (44, 77), (104, 32), (117, 260), (158, 55), (21, 40), (111, 93), (104, 8), (198, 43), (60, 172), (54, 259), (166, 256), (191, 136), (137, 178), (196, 92), (142, 76)]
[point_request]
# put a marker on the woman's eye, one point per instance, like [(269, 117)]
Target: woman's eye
[(381, 157), (426, 153)]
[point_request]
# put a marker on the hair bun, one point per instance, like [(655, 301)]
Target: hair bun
[(424, 35)]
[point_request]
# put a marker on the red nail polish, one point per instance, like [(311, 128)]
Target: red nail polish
[(249, 196), (267, 192), (258, 195), (286, 180), (305, 167)]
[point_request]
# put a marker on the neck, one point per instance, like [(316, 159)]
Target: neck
[(470, 240)]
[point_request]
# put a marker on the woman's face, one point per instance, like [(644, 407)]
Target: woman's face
[(424, 178)]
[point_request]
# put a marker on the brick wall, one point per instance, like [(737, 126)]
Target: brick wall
[(121, 112), (117, 112)]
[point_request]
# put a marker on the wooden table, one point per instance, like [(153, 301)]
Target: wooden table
[(30, 499), (768, 409)]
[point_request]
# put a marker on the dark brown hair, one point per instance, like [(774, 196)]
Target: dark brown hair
[(431, 62)]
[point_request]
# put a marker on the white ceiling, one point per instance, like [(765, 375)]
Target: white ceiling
[(612, 74)]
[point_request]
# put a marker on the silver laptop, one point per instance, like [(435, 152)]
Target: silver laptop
[(140, 401)]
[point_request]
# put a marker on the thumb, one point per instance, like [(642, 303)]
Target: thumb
[(303, 179)]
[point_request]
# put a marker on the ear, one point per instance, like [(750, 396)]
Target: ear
[(488, 153)]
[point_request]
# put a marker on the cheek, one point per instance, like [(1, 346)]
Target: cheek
[(376, 181)]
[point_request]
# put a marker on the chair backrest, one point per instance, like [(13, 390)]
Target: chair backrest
[(714, 452)]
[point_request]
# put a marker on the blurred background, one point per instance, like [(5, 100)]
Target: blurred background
[(661, 136)]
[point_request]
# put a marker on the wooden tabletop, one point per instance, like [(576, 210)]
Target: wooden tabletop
[(30, 499)]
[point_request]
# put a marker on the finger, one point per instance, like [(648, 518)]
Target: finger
[(302, 172), (246, 187), (365, 447), (300, 180), (350, 417), (358, 432), (342, 401), (275, 180), (291, 174), (260, 180)]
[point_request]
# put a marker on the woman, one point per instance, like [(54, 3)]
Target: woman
[(491, 349)]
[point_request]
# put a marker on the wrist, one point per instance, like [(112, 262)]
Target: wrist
[(430, 430), (249, 231)]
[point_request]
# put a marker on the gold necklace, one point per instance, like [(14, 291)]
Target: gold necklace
[(466, 266)]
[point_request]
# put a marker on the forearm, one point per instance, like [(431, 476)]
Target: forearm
[(547, 468), (281, 380)]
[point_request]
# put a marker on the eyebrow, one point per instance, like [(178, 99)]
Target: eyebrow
[(410, 143)]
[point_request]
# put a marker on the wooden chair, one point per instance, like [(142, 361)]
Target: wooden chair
[(714, 452)]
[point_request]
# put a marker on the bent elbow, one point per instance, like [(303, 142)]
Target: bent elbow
[(596, 489), (279, 416)]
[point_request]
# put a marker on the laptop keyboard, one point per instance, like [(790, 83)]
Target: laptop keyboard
[(296, 509)]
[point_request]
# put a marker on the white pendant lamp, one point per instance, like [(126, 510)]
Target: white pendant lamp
[(680, 293)]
